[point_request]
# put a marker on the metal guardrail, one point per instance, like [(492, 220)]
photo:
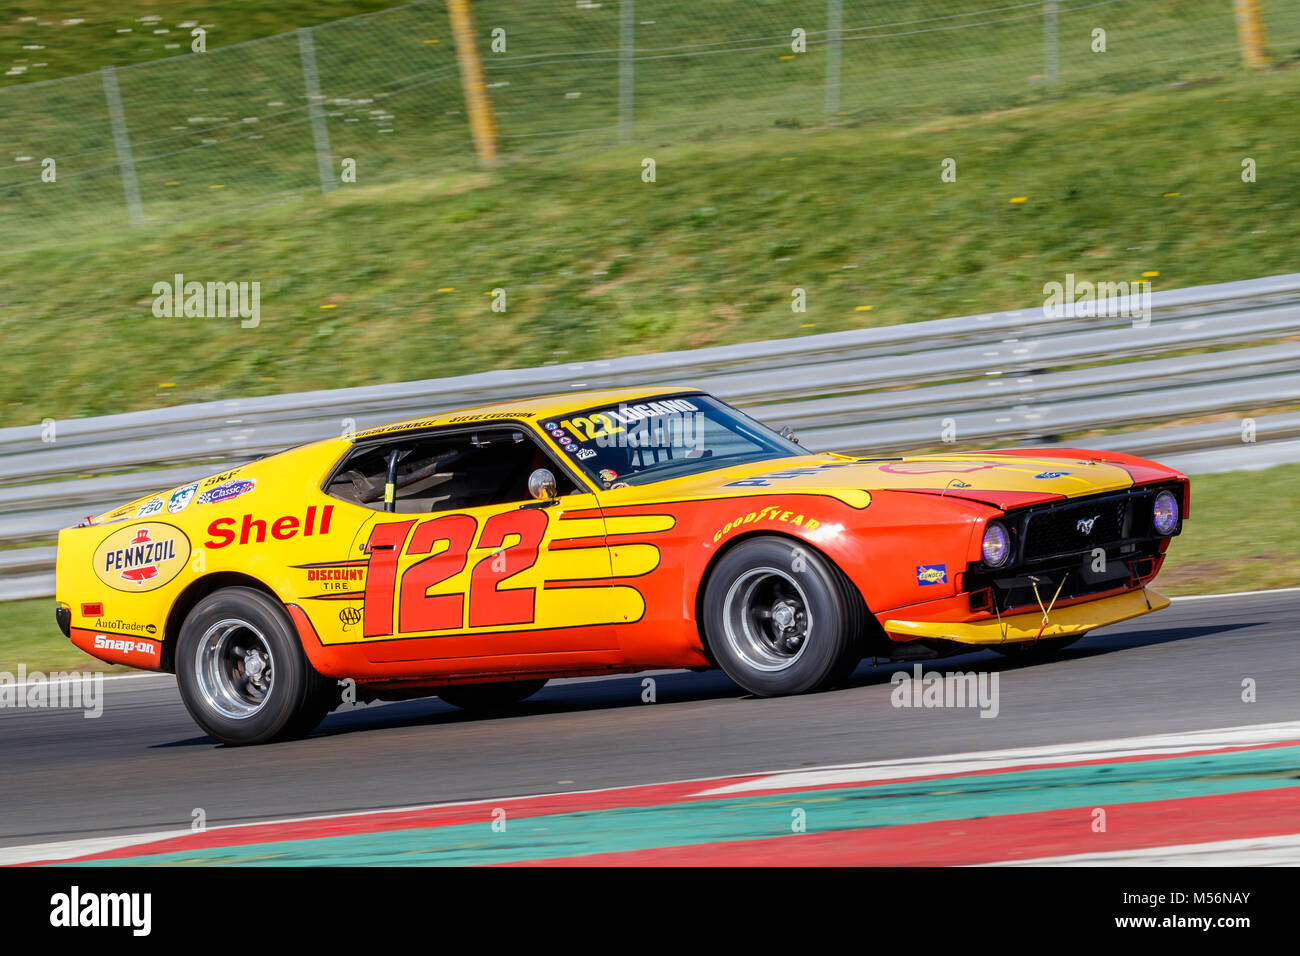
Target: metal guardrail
[(1009, 376)]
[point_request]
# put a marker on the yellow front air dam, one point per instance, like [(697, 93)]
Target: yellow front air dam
[(1062, 622)]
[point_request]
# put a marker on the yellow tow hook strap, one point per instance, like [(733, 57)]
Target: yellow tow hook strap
[(1047, 610), (1002, 627)]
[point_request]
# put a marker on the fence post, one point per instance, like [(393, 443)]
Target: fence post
[(482, 124), (319, 131), (122, 141), (834, 22), (626, 47), (1250, 31), (1050, 41)]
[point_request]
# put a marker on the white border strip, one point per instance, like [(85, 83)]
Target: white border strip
[(1158, 745), (1251, 851)]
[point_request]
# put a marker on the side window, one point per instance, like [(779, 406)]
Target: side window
[(446, 472)]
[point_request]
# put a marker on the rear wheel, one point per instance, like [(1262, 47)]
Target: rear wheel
[(242, 673), (1034, 650), (781, 619), (484, 698)]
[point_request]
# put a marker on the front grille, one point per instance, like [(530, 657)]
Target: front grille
[(1053, 554), (1076, 527)]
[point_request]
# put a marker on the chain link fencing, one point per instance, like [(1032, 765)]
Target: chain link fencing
[(278, 118)]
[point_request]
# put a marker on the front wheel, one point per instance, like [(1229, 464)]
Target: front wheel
[(242, 673), (781, 619)]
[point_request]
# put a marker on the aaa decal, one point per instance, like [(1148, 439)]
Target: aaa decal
[(142, 557)]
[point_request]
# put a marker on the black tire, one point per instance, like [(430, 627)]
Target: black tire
[(486, 698), (239, 628), (1034, 650), (814, 644)]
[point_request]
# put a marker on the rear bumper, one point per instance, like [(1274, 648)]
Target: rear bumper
[(130, 649), (1061, 622)]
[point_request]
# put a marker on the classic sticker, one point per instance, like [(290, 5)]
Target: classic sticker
[(226, 492), (142, 557)]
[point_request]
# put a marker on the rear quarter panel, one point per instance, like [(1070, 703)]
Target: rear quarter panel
[(121, 601)]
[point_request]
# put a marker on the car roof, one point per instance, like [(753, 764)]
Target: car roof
[(529, 408)]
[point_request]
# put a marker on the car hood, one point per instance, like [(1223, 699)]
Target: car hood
[(1000, 480)]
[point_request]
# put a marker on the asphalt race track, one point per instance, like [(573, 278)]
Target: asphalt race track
[(143, 766)]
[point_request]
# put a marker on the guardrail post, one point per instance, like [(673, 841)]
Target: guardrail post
[(626, 78), (834, 23), (1050, 42), (482, 124), (319, 131), (122, 141), (1250, 30)]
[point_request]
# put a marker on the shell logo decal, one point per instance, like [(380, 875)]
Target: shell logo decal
[(142, 556)]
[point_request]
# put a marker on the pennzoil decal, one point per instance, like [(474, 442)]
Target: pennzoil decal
[(142, 556)]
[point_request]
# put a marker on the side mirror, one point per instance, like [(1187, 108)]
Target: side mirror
[(541, 484), (788, 433)]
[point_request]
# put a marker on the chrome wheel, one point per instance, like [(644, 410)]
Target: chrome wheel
[(234, 668), (767, 618)]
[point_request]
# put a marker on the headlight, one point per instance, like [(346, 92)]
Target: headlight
[(1165, 513), (997, 544)]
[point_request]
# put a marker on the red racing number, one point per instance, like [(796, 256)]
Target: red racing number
[(490, 605), (418, 610)]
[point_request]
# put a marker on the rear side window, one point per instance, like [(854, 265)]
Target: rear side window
[(446, 472)]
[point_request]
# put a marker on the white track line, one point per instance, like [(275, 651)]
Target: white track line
[(1231, 594), (1163, 745), (1252, 851)]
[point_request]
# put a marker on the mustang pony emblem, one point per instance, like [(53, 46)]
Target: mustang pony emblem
[(1085, 524)]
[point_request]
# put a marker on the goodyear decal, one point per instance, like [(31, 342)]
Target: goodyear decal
[(141, 556), (767, 514)]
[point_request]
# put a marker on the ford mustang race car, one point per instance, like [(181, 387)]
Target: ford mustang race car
[(476, 554)]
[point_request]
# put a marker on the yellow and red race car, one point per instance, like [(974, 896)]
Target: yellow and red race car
[(474, 555)]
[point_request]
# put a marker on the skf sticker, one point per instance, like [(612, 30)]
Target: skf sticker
[(142, 557), (182, 497), (231, 489), (932, 574)]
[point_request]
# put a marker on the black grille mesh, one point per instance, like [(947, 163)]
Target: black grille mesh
[(1075, 528)]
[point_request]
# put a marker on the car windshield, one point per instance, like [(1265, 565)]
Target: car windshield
[(671, 436)]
